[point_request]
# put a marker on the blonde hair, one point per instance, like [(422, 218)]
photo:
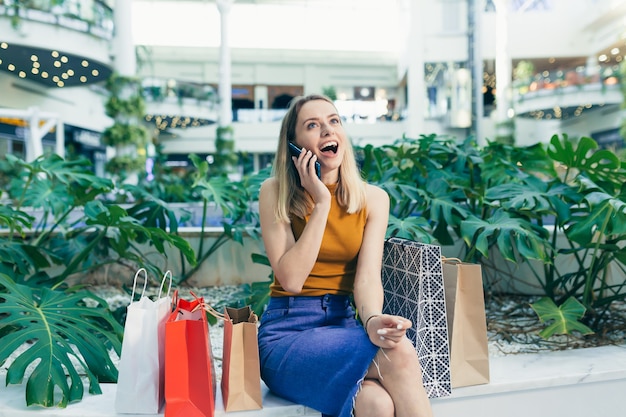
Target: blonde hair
[(292, 199)]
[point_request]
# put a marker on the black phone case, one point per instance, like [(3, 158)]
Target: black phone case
[(295, 151)]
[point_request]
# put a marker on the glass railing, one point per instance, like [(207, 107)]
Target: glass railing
[(579, 77), (160, 90), (90, 16), (352, 111)]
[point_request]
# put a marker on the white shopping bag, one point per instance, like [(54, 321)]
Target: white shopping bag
[(140, 381)]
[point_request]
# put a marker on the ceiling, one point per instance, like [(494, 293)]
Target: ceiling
[(52, 68)]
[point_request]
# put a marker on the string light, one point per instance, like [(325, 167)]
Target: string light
[(50, 67)]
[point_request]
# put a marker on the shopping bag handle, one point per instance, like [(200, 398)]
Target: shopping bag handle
[(455, 260), (145, 282), (206, 307), (169, 287)]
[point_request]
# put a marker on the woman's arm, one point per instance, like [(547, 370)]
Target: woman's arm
[(384, 330), (291, 260), (368, 289)]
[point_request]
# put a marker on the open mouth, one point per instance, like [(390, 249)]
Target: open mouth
[(330, 147)]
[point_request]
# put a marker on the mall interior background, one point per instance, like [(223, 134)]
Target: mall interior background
[(531, 68)]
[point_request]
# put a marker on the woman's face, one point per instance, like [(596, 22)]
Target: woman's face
[(319, 130)]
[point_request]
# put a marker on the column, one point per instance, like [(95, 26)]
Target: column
[(504, 70), (225, 84), (124, 46), (34, 148), (416, 86), (476, 65)]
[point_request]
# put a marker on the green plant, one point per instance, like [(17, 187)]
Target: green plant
[(235, 201), (225, 158), (523, 70), (330, 92), (563, 319), (72, 231), (515, 203), (125, 134), (128, 135), (56, 327)]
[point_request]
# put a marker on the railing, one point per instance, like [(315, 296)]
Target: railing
[(160, 90), (166, 90), (90, 16), (352, 111), (575, 77)]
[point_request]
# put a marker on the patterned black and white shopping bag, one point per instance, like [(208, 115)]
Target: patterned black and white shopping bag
[(413, 285)]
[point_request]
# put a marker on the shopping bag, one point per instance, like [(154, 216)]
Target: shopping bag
[(241, 375), (141, 366), (189, 371), (413, 287), (467, 323)]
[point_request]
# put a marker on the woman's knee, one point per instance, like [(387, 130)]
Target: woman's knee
[(400, 362), (404, 353), (373, 401)]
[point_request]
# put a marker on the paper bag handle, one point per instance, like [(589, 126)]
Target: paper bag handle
[(169, 288), (206, 307), (145, 282), (455, 260)]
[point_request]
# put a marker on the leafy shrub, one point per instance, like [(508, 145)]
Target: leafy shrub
[(514, 202)]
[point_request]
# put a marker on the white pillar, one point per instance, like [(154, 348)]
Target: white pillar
[(261, 97), (60, 137), (416, 85), (504, 64), (124, 46), (225, 84), (39, 124), (34, 144), (476, 54)]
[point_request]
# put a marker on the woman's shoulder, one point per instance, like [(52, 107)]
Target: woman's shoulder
[(376, 197), (374, 191), (269, 185)]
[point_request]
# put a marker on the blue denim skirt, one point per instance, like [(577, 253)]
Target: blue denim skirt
[(314, 352)]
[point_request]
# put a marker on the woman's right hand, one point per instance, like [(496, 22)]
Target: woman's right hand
[(305, 165), (387, 330)]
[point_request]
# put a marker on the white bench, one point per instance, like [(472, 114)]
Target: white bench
[(575, 383), (13, 404)]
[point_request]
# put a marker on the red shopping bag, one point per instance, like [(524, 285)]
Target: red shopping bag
[(189, 373)]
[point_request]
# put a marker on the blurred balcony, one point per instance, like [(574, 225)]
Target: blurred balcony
[(172, 104), (567, 94)]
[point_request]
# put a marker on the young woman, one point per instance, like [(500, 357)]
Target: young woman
[(324, 239)]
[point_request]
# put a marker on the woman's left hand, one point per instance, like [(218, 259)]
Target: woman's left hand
[(387, 330)]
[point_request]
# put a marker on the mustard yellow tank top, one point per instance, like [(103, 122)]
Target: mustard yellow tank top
[(335, 268)]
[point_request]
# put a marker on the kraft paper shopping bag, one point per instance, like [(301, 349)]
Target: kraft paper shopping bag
[(241, 377), (467, 324)]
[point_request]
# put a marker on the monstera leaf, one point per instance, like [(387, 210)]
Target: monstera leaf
[(601, 166), (505, 232), (606, 216), (63, 338), (413, 228), (535, 198), (564, 318)]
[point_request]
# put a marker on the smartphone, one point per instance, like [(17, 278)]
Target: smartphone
[(295, 151)]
